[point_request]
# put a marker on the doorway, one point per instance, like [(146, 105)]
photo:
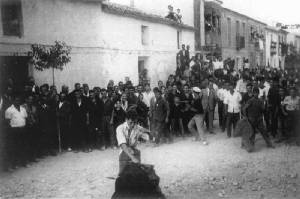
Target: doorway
[(16, 68), (143, 63)]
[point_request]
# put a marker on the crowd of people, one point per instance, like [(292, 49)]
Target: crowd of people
[(37, 120)]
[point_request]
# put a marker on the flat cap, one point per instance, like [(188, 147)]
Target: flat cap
[(196, 90)]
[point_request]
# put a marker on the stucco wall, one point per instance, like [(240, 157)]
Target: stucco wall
[(230, 50), (104, 46), (74, 22), (124, 39), (250, 51)]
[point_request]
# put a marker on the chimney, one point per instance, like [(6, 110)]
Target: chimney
[(131, 3)]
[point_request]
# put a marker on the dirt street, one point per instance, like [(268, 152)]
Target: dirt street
[(187, 170)]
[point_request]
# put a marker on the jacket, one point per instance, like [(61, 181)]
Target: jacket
[(208, 99)]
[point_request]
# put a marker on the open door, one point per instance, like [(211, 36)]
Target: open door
[(16, 68)]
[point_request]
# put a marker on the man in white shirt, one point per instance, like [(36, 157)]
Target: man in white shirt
[(241, 85), (128, 135), (148, 95), (232, 108), (16, 116)]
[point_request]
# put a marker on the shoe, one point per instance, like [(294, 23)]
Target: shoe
[(270, 145), (53, 153), (243, 146), (156, 145), (85, 150), (102, 148)]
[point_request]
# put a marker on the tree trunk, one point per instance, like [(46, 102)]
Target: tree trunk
[(53, 80)]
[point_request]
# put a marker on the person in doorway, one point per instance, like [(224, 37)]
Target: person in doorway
[(148, 95)]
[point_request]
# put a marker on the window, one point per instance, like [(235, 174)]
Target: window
[(145, 35), (179, 38), (271, 37), (229, 31), (237, 28), (244, 30), (11, 16)]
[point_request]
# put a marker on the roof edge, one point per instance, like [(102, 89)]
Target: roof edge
[(243, 15), (117, 9)]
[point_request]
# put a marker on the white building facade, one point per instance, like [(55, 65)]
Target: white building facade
[(276, 47), (108, 40)]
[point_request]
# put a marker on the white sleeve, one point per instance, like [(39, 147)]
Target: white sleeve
[(8, 114), (239, 97), (120, 136), (25, 113), (1, 103)]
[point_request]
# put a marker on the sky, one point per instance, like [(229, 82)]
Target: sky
[(269, 11)]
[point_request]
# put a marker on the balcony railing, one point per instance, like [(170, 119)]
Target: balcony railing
[(273, 48), (213, 47)]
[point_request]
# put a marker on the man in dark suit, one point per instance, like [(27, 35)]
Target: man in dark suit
[(63, 109), (187, 55), (96, 134), (209, 99), (108, 107), (79, 121), (159, 114), (183, 54)]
